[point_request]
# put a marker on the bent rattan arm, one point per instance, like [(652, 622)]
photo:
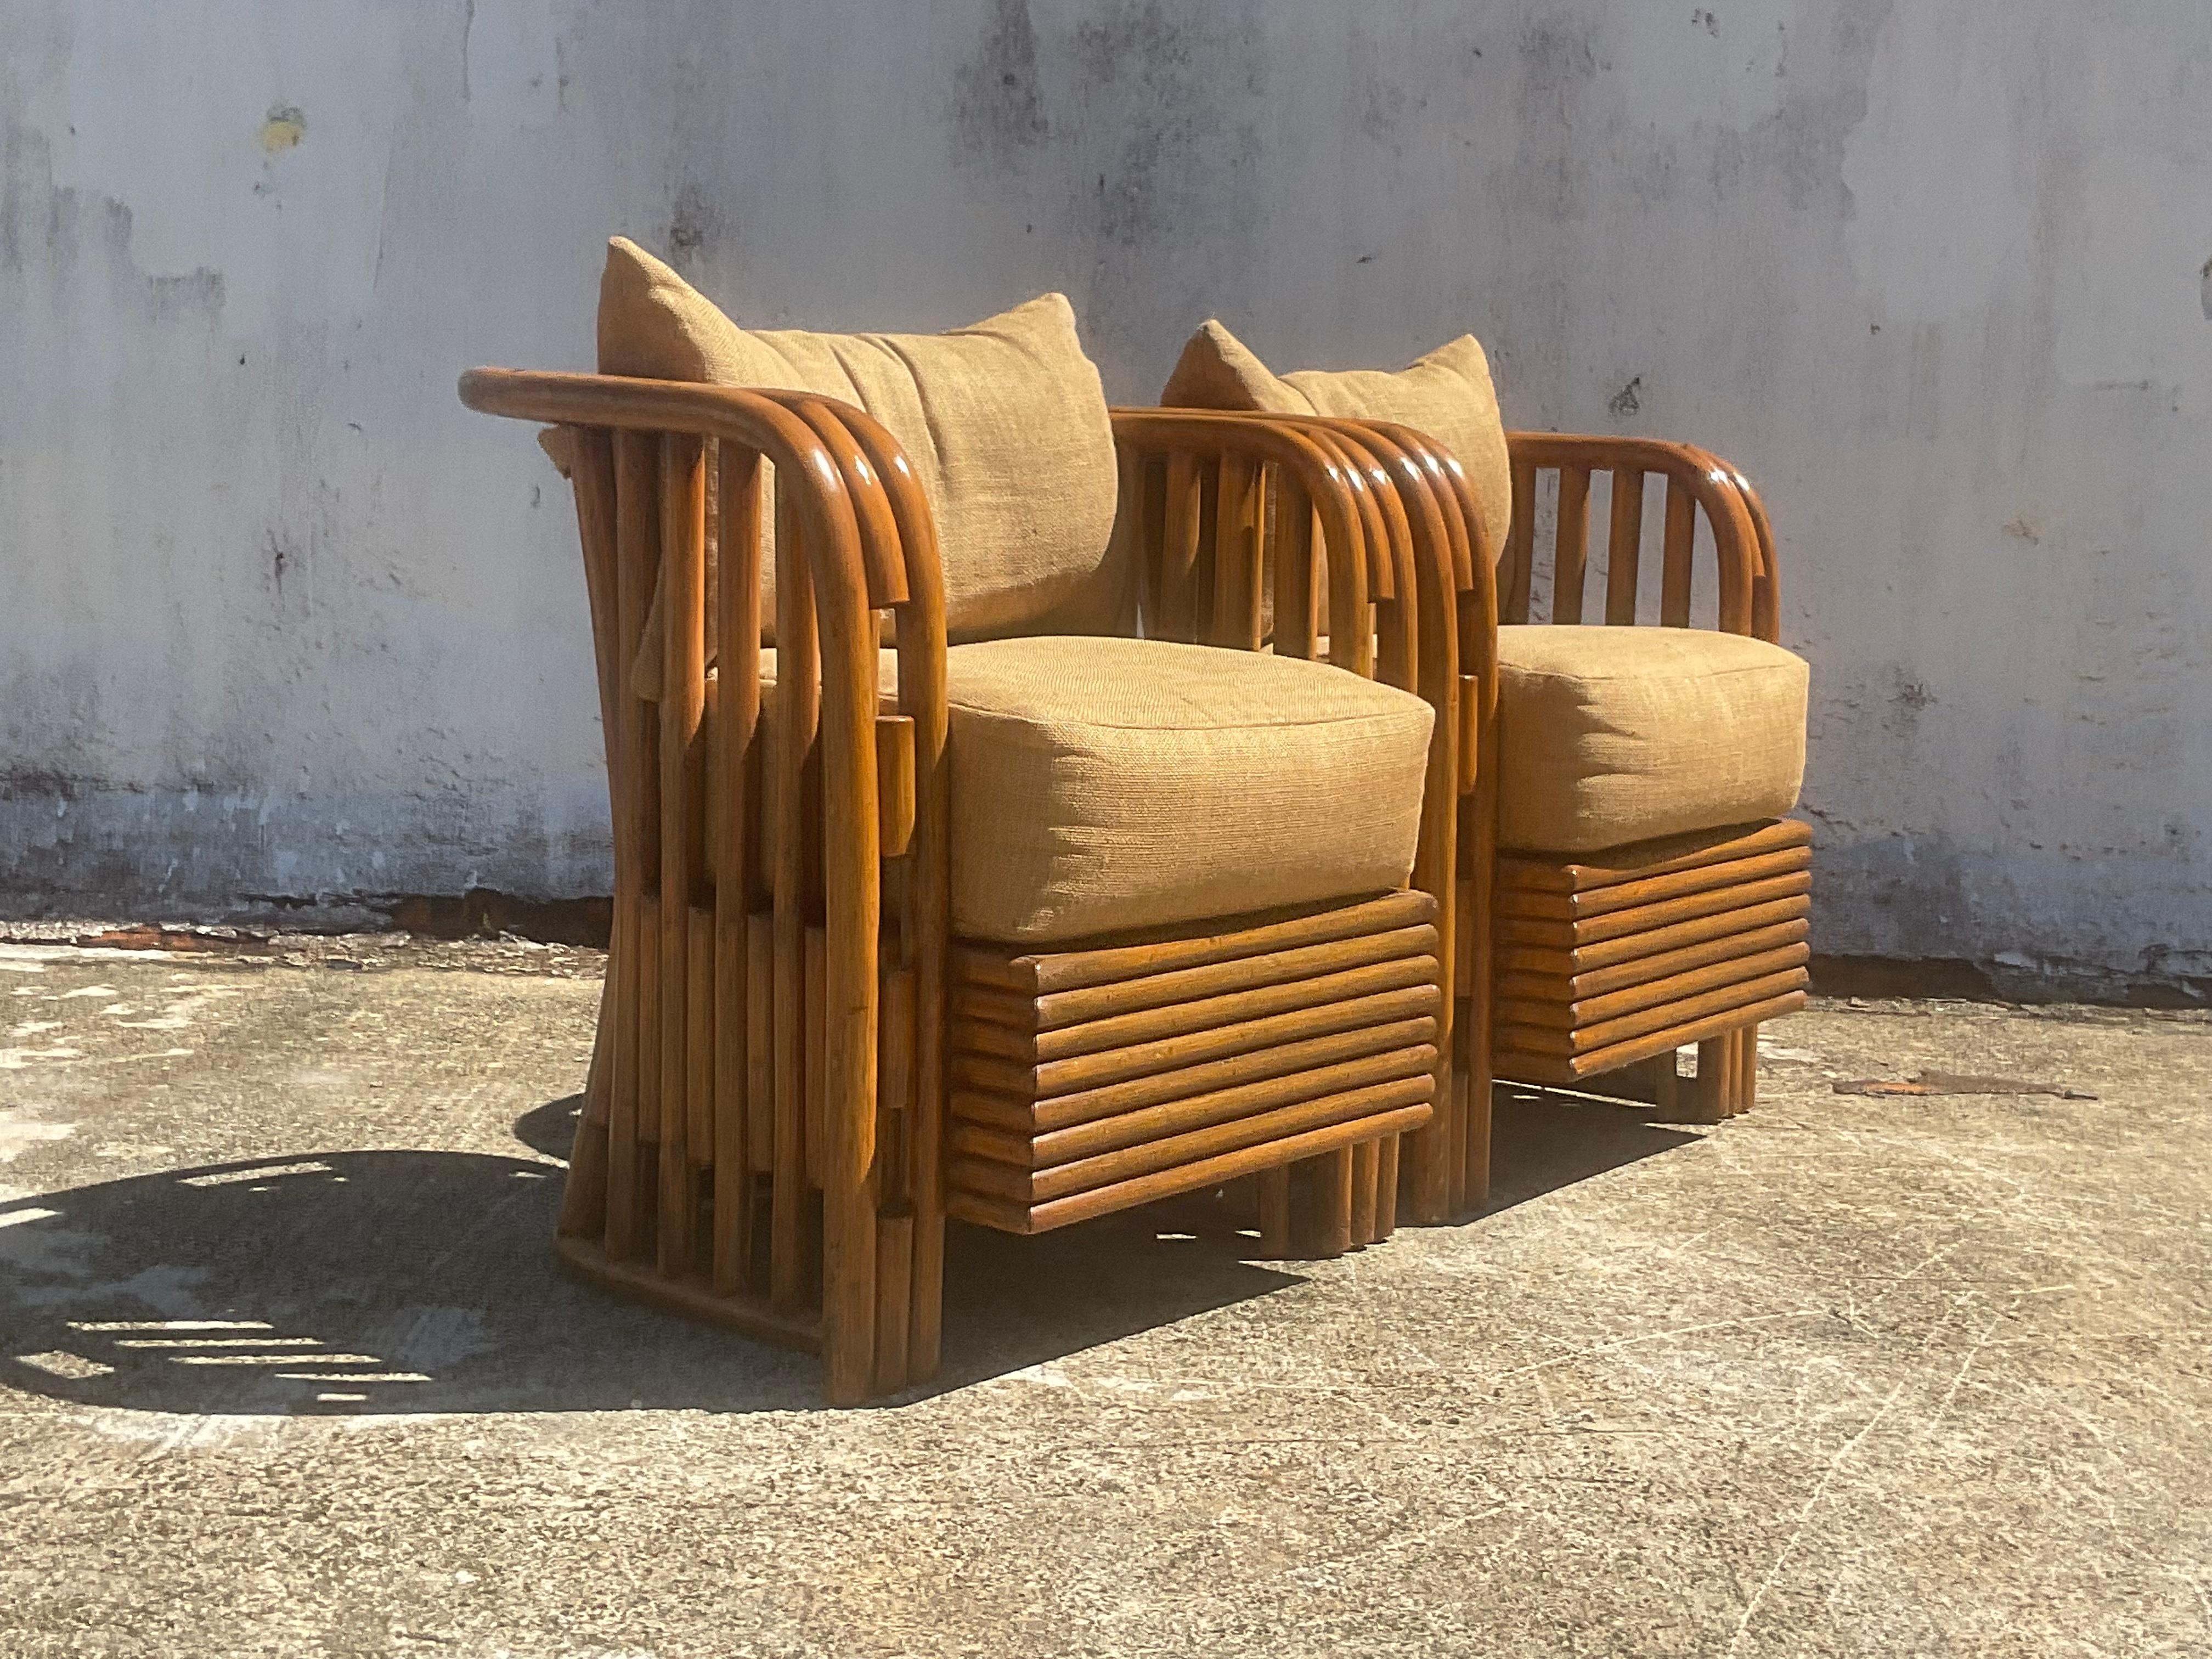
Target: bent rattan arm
[(1457, 611), (1473, 613), (1375, 500), (1747, 602), (853, 537), (1742, 542)]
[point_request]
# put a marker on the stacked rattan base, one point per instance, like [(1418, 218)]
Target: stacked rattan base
[(1618, 958), (1086, 1080)]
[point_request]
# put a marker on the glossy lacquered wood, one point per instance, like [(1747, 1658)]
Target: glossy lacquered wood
[(1377, 525), (1153, 1063), (1608, 964), (764, 1141), (1698, 484), (715, 1204), (1613, 961)]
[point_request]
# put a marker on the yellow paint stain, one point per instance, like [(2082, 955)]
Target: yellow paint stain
[(283, 129)]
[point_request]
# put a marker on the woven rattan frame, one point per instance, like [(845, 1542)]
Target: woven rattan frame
[(764, 1138)]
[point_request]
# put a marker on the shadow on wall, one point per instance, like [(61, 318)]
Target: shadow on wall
[(422, 1281)]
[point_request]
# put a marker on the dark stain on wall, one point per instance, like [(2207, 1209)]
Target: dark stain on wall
[(1181, 94), (998, 106), (50, 783), (1556, 57), (196, 293), (694, 222), (1903, 704)]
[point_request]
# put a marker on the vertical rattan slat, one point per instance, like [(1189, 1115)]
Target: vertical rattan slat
[(1682, 526), (1204, 595), (1366, 1168), (682, 707), (1179, 559), (1333, 1202), (1387, 1153), (796, 707), (760, 1036), (1516, 576), (1623, 546), (894, 1293), (1570, 553), (587, 455), (737, 726), (1236, 555), (816, 1025), (1296, 633), (630, 1176), (698, 1064)]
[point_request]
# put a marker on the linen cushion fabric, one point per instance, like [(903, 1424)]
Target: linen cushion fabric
[(1106, 785), (1447, 395), (1004, 423), (1613, 735)]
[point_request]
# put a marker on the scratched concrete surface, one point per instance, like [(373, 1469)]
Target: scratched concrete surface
[(1848, 1376)]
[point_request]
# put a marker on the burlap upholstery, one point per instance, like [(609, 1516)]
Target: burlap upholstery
[(1612, 735), (1004, 423), (1446, 395), (1103, 785)]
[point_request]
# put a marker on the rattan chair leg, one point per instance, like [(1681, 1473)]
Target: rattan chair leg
[(1712, 1091), (1333, 1203), (1386, 1186), (1365, 1166), (584, 1194)]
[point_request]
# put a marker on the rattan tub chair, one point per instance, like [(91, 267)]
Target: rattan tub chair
[(951, 896), (1630, 882)]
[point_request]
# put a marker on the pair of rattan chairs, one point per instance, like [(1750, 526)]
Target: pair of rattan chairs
[(1025, 810)]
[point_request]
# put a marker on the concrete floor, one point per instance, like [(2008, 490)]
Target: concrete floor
[(1848, 1376)]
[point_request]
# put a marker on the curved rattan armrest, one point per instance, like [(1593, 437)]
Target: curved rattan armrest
[(843, 784), (1167, 499), (1452, 555), (1393, 537), (841, 450), (869, 538), (1743, 541)]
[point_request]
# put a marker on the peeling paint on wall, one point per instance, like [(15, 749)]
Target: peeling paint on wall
[(283, 129), (296, 629)]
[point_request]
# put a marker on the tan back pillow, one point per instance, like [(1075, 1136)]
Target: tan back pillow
[(1004, 423), (1447, 395)]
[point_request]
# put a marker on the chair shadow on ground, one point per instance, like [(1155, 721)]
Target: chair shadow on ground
[(370, 1282), (1542, 1139)]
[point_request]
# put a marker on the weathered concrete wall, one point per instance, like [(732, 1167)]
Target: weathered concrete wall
[(277, 617)]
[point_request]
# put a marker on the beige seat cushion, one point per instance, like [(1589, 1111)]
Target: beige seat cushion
[(1106, 785), (1005, 424), (1447, 395), (1612, 735)]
